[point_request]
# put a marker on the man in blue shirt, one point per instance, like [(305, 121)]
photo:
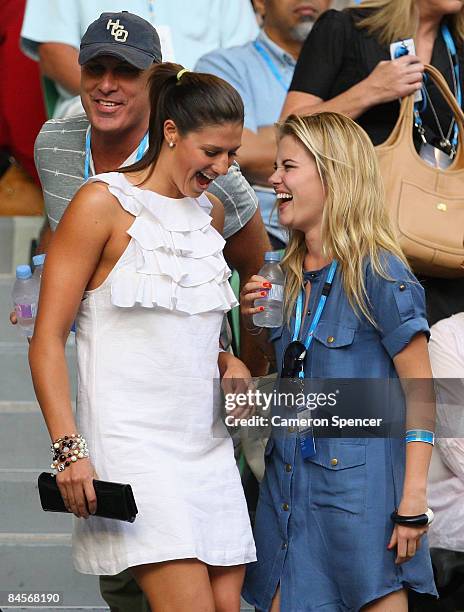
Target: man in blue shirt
[(262, 71), (52, 32)]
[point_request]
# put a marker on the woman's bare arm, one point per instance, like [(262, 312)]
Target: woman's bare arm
[(388, 81), (71, 262), (73, 257), (413, 367)]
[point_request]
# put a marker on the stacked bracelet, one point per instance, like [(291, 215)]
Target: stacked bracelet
[(67, 450), (420, 435), (419, 520)]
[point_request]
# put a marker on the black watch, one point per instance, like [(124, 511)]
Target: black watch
[(419, 520)]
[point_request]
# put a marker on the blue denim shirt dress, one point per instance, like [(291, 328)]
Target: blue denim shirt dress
[(323, 526)]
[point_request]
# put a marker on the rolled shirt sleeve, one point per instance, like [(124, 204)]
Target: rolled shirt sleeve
[(398, 305), (51, 21)]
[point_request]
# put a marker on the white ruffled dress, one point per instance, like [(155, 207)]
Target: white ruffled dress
[(147, 342)]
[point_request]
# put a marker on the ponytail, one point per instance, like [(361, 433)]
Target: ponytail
[(192, 100)]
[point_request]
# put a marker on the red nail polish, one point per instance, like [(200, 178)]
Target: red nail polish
[(264, 293), (261, 308), (267, 285)]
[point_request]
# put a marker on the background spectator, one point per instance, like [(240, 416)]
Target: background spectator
[(262, 71), (345, 66), (52, 32), (21, 109), (446, 476)]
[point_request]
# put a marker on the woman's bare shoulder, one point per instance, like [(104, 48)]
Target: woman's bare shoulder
[(93, 199)]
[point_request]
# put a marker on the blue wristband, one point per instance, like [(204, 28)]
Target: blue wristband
[(420, 435)]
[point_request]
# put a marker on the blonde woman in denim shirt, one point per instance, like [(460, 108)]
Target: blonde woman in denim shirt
[(324, 536)]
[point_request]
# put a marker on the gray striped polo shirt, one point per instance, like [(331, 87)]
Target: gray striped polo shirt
[(60, 155)]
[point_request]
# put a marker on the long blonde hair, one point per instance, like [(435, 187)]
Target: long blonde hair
[(355, 222), (398, 19)]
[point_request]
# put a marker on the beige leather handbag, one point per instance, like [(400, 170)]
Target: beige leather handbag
[(426, 204)]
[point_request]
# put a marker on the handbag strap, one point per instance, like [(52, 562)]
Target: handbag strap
[(444, 89), (404, 125)]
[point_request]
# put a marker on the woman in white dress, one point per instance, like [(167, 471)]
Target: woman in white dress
[(137, 261)]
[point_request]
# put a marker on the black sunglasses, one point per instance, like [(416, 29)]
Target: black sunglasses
[(293, 359)]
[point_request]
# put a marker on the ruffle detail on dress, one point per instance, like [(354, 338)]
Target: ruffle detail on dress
[(176, 260), (130, 288), (197, 244)]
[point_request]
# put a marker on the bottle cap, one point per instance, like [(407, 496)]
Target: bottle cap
[(38, 260), (23, 272), (273, 256)]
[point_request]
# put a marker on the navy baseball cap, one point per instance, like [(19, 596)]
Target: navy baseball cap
[(123, 35)]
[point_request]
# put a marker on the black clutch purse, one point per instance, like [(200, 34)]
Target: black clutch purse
[(114, 500)]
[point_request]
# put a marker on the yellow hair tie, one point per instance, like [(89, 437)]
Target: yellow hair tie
[(181, 72)]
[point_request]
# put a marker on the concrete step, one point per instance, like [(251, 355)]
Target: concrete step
[(6, 244), (8, 333), (43, 563), (20, 509), (15, 375), (16, 234), (23, 422)]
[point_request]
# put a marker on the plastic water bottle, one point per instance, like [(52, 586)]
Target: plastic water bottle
[(272, 315), (38, 261), (25, 297)]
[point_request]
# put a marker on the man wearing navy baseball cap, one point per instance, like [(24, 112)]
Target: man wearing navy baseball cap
[(121, 35), (115, 53)]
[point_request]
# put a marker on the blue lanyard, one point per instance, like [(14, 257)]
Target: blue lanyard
[(454, 56), (140, 151), (457, 72), (319, 309), (305, 433), (269, 61)]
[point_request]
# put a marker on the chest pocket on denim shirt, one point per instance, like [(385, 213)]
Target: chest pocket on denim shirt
[(333, 342), (338, 477), (334, 335)]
